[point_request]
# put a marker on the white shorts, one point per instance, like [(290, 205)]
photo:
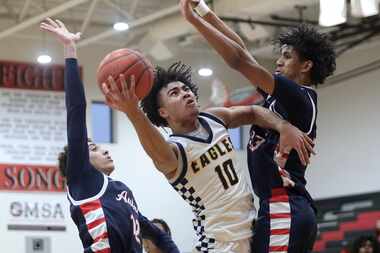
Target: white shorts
[(242, 246)]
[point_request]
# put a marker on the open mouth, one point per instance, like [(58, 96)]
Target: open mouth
[(190, 102)]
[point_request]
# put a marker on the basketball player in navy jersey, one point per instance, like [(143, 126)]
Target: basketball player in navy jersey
[(103, 209), (199, 159), (149, 246), (286, 219)]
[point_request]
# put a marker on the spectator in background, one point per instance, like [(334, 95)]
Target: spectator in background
[(378, 232), (365, 244), (148, 245)]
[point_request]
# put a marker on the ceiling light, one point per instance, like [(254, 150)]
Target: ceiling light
[(44, 59), (364, 8), (332, 13), (205, 72), (120, 26)]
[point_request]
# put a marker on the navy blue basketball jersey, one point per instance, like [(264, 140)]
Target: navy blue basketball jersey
[(104, 210), (298, 105), (108, 220)]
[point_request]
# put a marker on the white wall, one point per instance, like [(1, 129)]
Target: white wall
[(348, 140)]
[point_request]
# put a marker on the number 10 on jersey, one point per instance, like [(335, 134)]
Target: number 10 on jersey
[(227, 174)]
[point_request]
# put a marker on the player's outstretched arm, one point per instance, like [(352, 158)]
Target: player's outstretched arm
[(78, 157), (200, 6), (160, 238), (236, 56), (290, 136), (125, 100)]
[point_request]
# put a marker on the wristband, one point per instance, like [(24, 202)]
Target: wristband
[(202, 9)]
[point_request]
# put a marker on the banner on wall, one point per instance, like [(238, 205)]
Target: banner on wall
[(32, 126), (27, 213)]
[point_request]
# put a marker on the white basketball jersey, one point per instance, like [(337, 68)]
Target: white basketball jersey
[(210, 181)]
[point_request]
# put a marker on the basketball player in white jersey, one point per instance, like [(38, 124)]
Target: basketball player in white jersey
[(199, 159)]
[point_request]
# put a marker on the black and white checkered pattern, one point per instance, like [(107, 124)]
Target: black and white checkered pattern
[(187, 193), (205, 244)]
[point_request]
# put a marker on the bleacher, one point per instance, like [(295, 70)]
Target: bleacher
[(343, 219)]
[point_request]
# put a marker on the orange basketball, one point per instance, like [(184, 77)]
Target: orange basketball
[(128, 62)]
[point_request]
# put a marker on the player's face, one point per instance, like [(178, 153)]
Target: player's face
[(178, 103), (100, 159), (289, 64), (149, 246), (366, 247)]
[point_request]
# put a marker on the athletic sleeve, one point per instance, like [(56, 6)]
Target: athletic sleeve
[(83, 179), (299, 102), (161, 239)]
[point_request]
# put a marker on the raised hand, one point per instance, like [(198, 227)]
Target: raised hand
[(124, 100), (186, 7), (293, 138), (60, 31)]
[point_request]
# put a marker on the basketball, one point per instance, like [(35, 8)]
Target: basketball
[(128, 62)]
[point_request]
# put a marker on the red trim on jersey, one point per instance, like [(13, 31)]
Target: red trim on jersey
[(100, 237), (278, 248), (279, 191), (276, 199), (90, 206), (279, 215), (279, 231), (96, 223), (279, 201), (108, 250), (95, 234)]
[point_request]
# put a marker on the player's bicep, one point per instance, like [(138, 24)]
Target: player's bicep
[(170, 169), (235, 116), (221, 113), (181, 165)]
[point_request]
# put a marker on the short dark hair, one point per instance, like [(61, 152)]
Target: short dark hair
[(311, 45), (359, 242), (163, 224), (62, 160), (177, 72)]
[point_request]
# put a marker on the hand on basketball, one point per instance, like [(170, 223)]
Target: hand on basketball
[(293, 138), (60, 31), (124, 100), (186, 7)]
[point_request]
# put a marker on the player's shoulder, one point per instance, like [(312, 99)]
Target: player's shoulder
[(216, 114)]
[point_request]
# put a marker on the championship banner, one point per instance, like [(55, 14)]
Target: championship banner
[(32, 126)]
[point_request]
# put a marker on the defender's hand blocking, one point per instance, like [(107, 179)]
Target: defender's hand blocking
[(186, 7), (124, 100), (60, 31), (293, 138)]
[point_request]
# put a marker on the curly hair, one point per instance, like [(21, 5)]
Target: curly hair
[(62, 160), (360, 241), (177, 72), (311, 45)]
